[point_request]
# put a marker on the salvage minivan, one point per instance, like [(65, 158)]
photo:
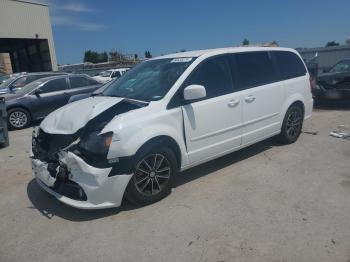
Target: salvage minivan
[(166, 115)]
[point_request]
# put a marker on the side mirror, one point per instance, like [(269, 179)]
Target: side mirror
[(38, 91), (194, 92)]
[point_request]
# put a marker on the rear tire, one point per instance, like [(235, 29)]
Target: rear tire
[(18, 118), (292, 124), (154, 172)]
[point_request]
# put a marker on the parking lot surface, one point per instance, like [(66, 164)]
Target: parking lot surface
[(263, 203)]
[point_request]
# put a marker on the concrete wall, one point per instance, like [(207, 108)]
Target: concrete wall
[(19, 19)]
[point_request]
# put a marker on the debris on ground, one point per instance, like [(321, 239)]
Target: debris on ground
[(342, 131), (311, 132)]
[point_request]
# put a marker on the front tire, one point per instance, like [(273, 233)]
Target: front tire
[(18, 118), (153, 175), (292, 125)]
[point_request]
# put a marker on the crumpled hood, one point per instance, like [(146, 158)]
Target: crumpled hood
[(70, 118)]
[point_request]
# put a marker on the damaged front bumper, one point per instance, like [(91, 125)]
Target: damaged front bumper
[(78, 184)]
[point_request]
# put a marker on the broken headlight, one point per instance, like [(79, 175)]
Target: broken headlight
[(95, 143)]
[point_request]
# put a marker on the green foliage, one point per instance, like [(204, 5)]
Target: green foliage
[(332, 43), (148, 54), (115, 55), (95, 57), (245, 42)]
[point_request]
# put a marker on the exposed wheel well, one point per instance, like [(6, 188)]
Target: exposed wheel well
[(162, 141)]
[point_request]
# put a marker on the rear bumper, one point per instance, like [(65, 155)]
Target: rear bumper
[(322, 93), (308, 108), (100, 190)]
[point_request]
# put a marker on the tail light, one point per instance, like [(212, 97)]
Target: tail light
[(312, 83)]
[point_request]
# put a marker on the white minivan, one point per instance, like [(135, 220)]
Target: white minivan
[(166, 115)]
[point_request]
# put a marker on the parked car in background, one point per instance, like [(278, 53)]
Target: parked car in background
[(39, 98), (17, 81), (86, 95), (166, 115), (108, 75), (334, 84)]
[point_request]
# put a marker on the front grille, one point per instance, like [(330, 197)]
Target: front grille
[(70, 189)]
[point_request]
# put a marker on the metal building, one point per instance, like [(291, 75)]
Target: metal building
[(26, 34), (326, 56)]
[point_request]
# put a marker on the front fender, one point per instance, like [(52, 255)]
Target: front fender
[(134, 136)]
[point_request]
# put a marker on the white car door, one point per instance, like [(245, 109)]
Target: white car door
[(262, 95), (213, 124)]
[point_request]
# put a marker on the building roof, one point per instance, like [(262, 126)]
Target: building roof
[(324, 49), (31, 2)]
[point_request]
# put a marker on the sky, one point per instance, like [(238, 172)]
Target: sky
[(162, 27)]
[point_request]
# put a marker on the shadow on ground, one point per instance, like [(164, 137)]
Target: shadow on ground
[(49, 206)]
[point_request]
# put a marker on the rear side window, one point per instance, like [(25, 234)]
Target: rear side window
[(289, 64), (214, 74), (253, 69), (79, 81), (54, 85)]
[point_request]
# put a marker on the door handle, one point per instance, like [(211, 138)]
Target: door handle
[(233, 103), (249, 99)]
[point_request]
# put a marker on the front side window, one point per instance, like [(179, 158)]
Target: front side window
[(342, 66), (214, 74), (54, 85), (289, 64), (150, 80), (253, 69)]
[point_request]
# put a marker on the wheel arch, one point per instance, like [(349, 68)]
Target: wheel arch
[(292, 100), (162, 140), (20, 107)]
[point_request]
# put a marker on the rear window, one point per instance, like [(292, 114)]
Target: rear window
[(289, 64), (253, 69)]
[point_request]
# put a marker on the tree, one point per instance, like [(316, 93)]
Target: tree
[(95, 57), (332, 43), (183, 50), (115, 55), (103, 57), (274, 43), (148, 54), (245, 42), (136, 56)]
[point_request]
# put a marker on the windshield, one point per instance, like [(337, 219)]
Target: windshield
[(3, 78), (342, 66), (106, 73), (7, 82), (150, 80), (29, 88)]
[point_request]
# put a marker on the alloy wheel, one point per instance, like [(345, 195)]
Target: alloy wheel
[(152, 174), (294, 122), (18, 119)]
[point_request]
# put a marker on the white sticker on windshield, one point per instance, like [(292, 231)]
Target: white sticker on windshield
[(181, 60)]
